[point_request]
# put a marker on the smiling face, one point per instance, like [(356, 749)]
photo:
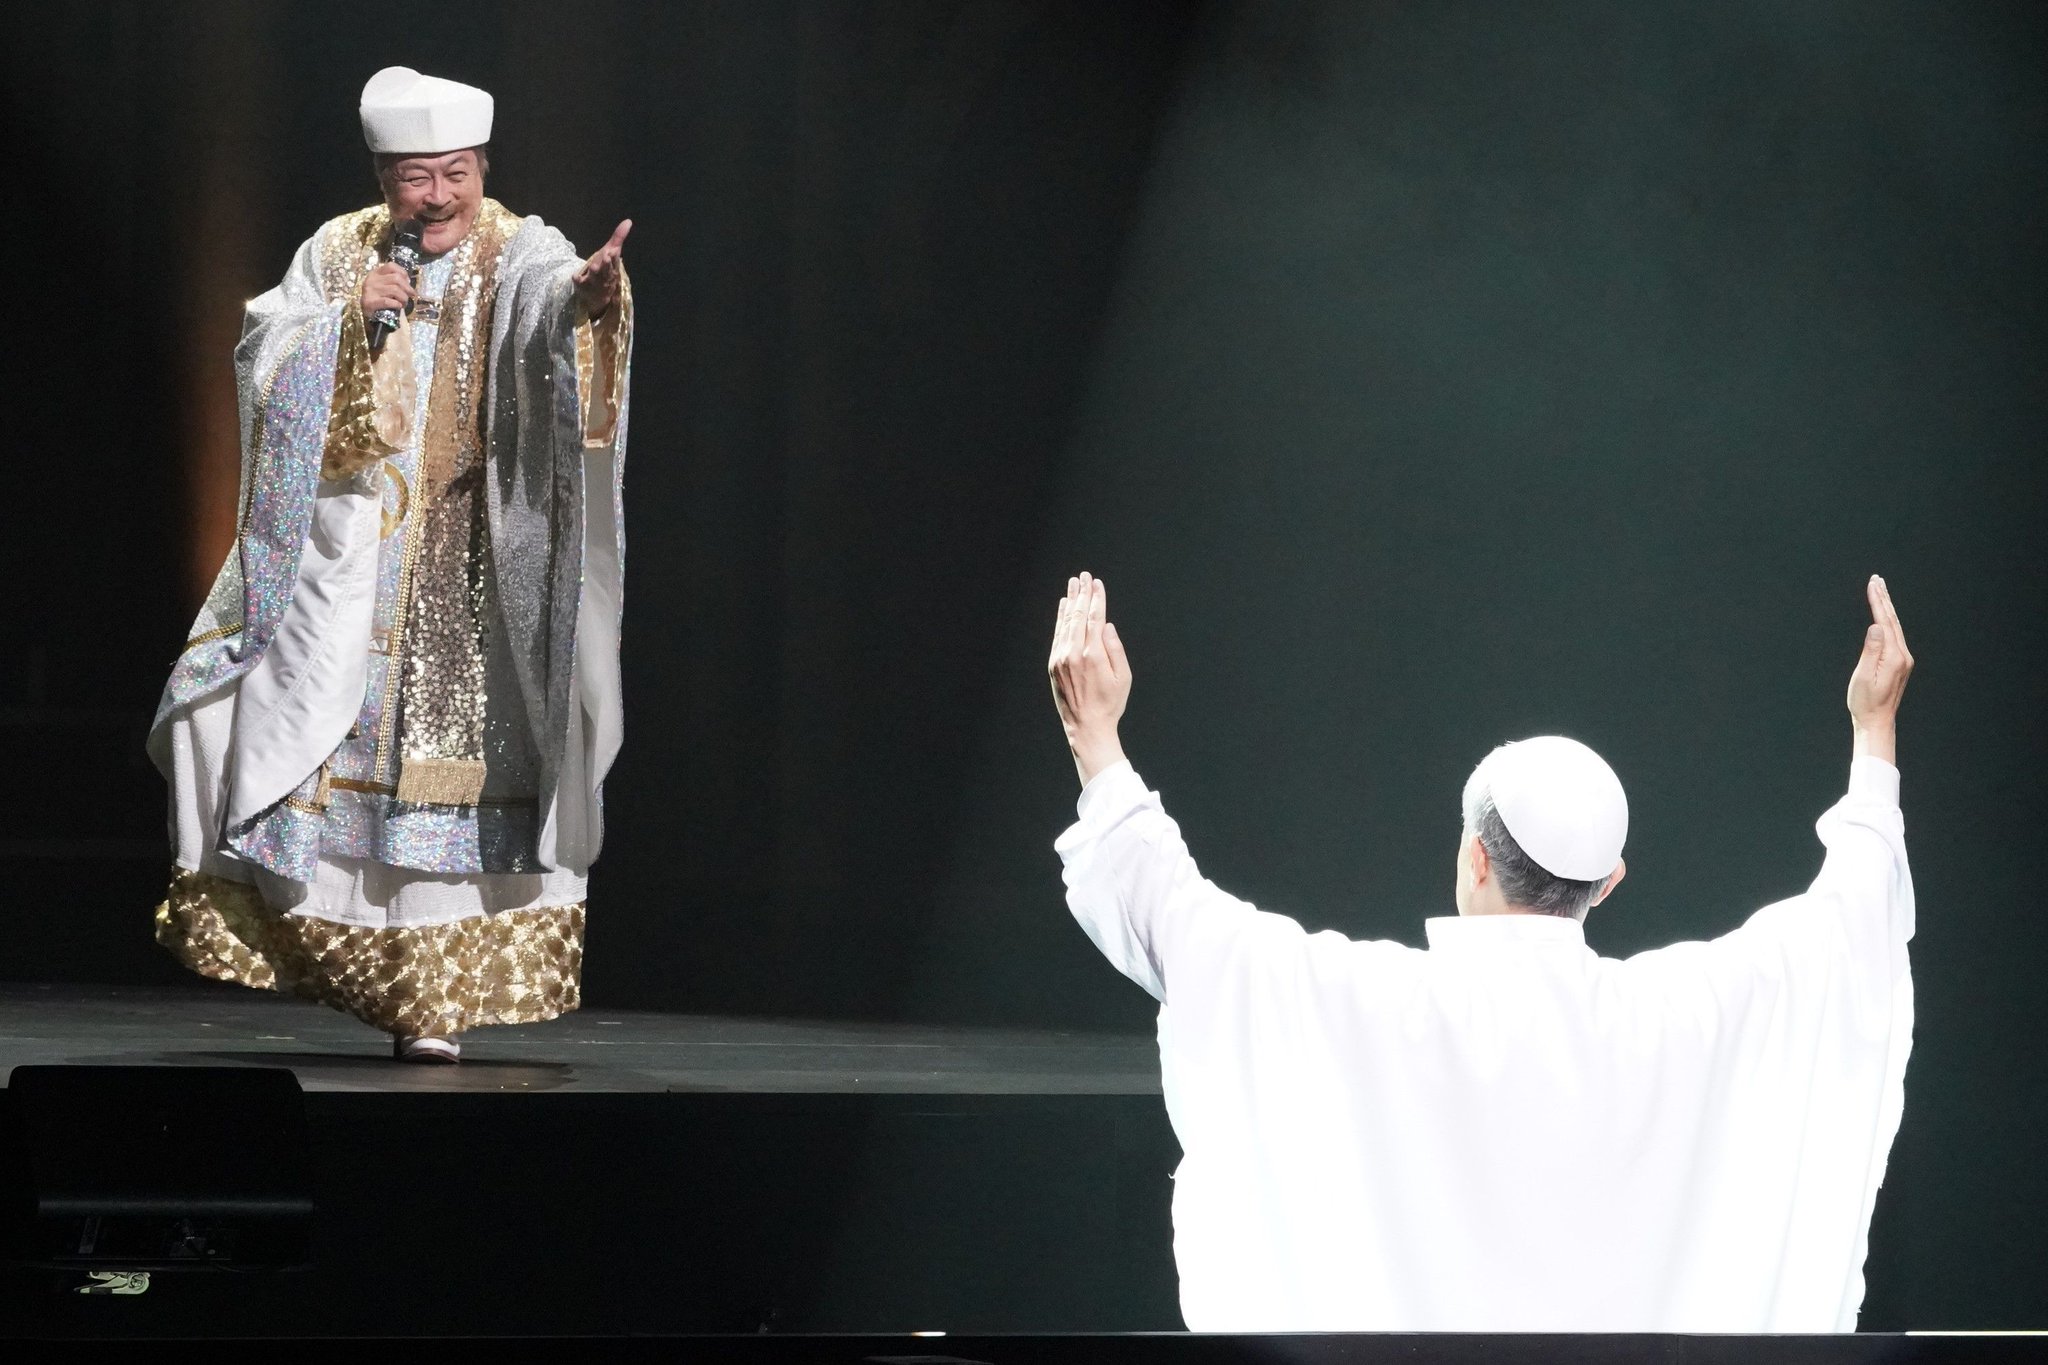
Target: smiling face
[(444, 191)]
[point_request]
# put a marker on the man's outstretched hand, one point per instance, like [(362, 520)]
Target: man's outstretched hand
[(597, 282), (1880, 678), (1091, 678)]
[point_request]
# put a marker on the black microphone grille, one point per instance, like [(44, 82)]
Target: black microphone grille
[(407, 232)]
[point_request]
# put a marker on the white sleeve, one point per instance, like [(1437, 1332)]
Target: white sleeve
[(1866, 870), (1857, 916), (1137, 892), (1861, 904)]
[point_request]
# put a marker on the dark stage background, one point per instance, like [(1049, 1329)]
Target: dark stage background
[(1418, 376)]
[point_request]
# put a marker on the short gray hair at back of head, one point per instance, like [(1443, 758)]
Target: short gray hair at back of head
[(1523, 882)]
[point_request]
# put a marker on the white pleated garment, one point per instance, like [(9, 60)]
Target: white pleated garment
[(1507, 1132)]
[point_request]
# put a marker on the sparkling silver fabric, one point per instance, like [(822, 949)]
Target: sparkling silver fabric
[(520, 564), (284, 372), (535, 492)]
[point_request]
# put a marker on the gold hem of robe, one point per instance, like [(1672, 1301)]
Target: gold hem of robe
[(519, 967)]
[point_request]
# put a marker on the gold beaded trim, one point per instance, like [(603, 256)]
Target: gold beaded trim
[(207, 637)]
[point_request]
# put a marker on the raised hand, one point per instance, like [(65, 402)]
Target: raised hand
[(597, 282), (1879, 682), (1091, 677)]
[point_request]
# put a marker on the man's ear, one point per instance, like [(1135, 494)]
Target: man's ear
[(1482, 866), (1613, 880)]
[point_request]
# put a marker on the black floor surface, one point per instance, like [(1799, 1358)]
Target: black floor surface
[(589, 1051)]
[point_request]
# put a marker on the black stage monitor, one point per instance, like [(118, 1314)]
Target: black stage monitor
[(155, 1168)]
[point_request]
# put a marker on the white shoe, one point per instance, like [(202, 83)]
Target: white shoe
[(409, 1049)]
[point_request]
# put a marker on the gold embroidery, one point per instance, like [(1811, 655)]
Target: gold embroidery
[(438, 640), (349, 250), (207, 637), (393, 518), (600, 366), (316, 804), (395, 389), (350, 784), (440, 781), (444, 612), (513, 968), (352, 440)]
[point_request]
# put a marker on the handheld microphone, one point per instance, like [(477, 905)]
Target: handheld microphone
[(405, 251)]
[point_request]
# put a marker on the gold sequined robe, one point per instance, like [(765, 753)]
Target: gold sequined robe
[(387, 733)]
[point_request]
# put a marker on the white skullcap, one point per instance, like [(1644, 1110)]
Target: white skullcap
[(404, 111), (1560, 801)]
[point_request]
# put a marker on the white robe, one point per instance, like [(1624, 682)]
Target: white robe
[(1507, 1132)]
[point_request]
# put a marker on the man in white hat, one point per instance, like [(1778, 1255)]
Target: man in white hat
[(1507, 1132), (387, 732)]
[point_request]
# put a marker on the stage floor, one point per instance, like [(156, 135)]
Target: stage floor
[(592, 1051), (679, 1174), (664, 1173)]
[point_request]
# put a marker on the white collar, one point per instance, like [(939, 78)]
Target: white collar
[(1459, 933)]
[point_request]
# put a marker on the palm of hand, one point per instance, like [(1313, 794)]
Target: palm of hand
[(1879, 681), (1090, 674)]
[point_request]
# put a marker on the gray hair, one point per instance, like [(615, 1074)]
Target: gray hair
[(1523, 883)]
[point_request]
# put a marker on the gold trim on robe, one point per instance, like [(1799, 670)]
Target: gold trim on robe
[(355, 438), (600, 368), (519, 967), (444, 614)]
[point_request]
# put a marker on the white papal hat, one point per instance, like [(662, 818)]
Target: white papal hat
[(1561, 802), (404, 111)]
